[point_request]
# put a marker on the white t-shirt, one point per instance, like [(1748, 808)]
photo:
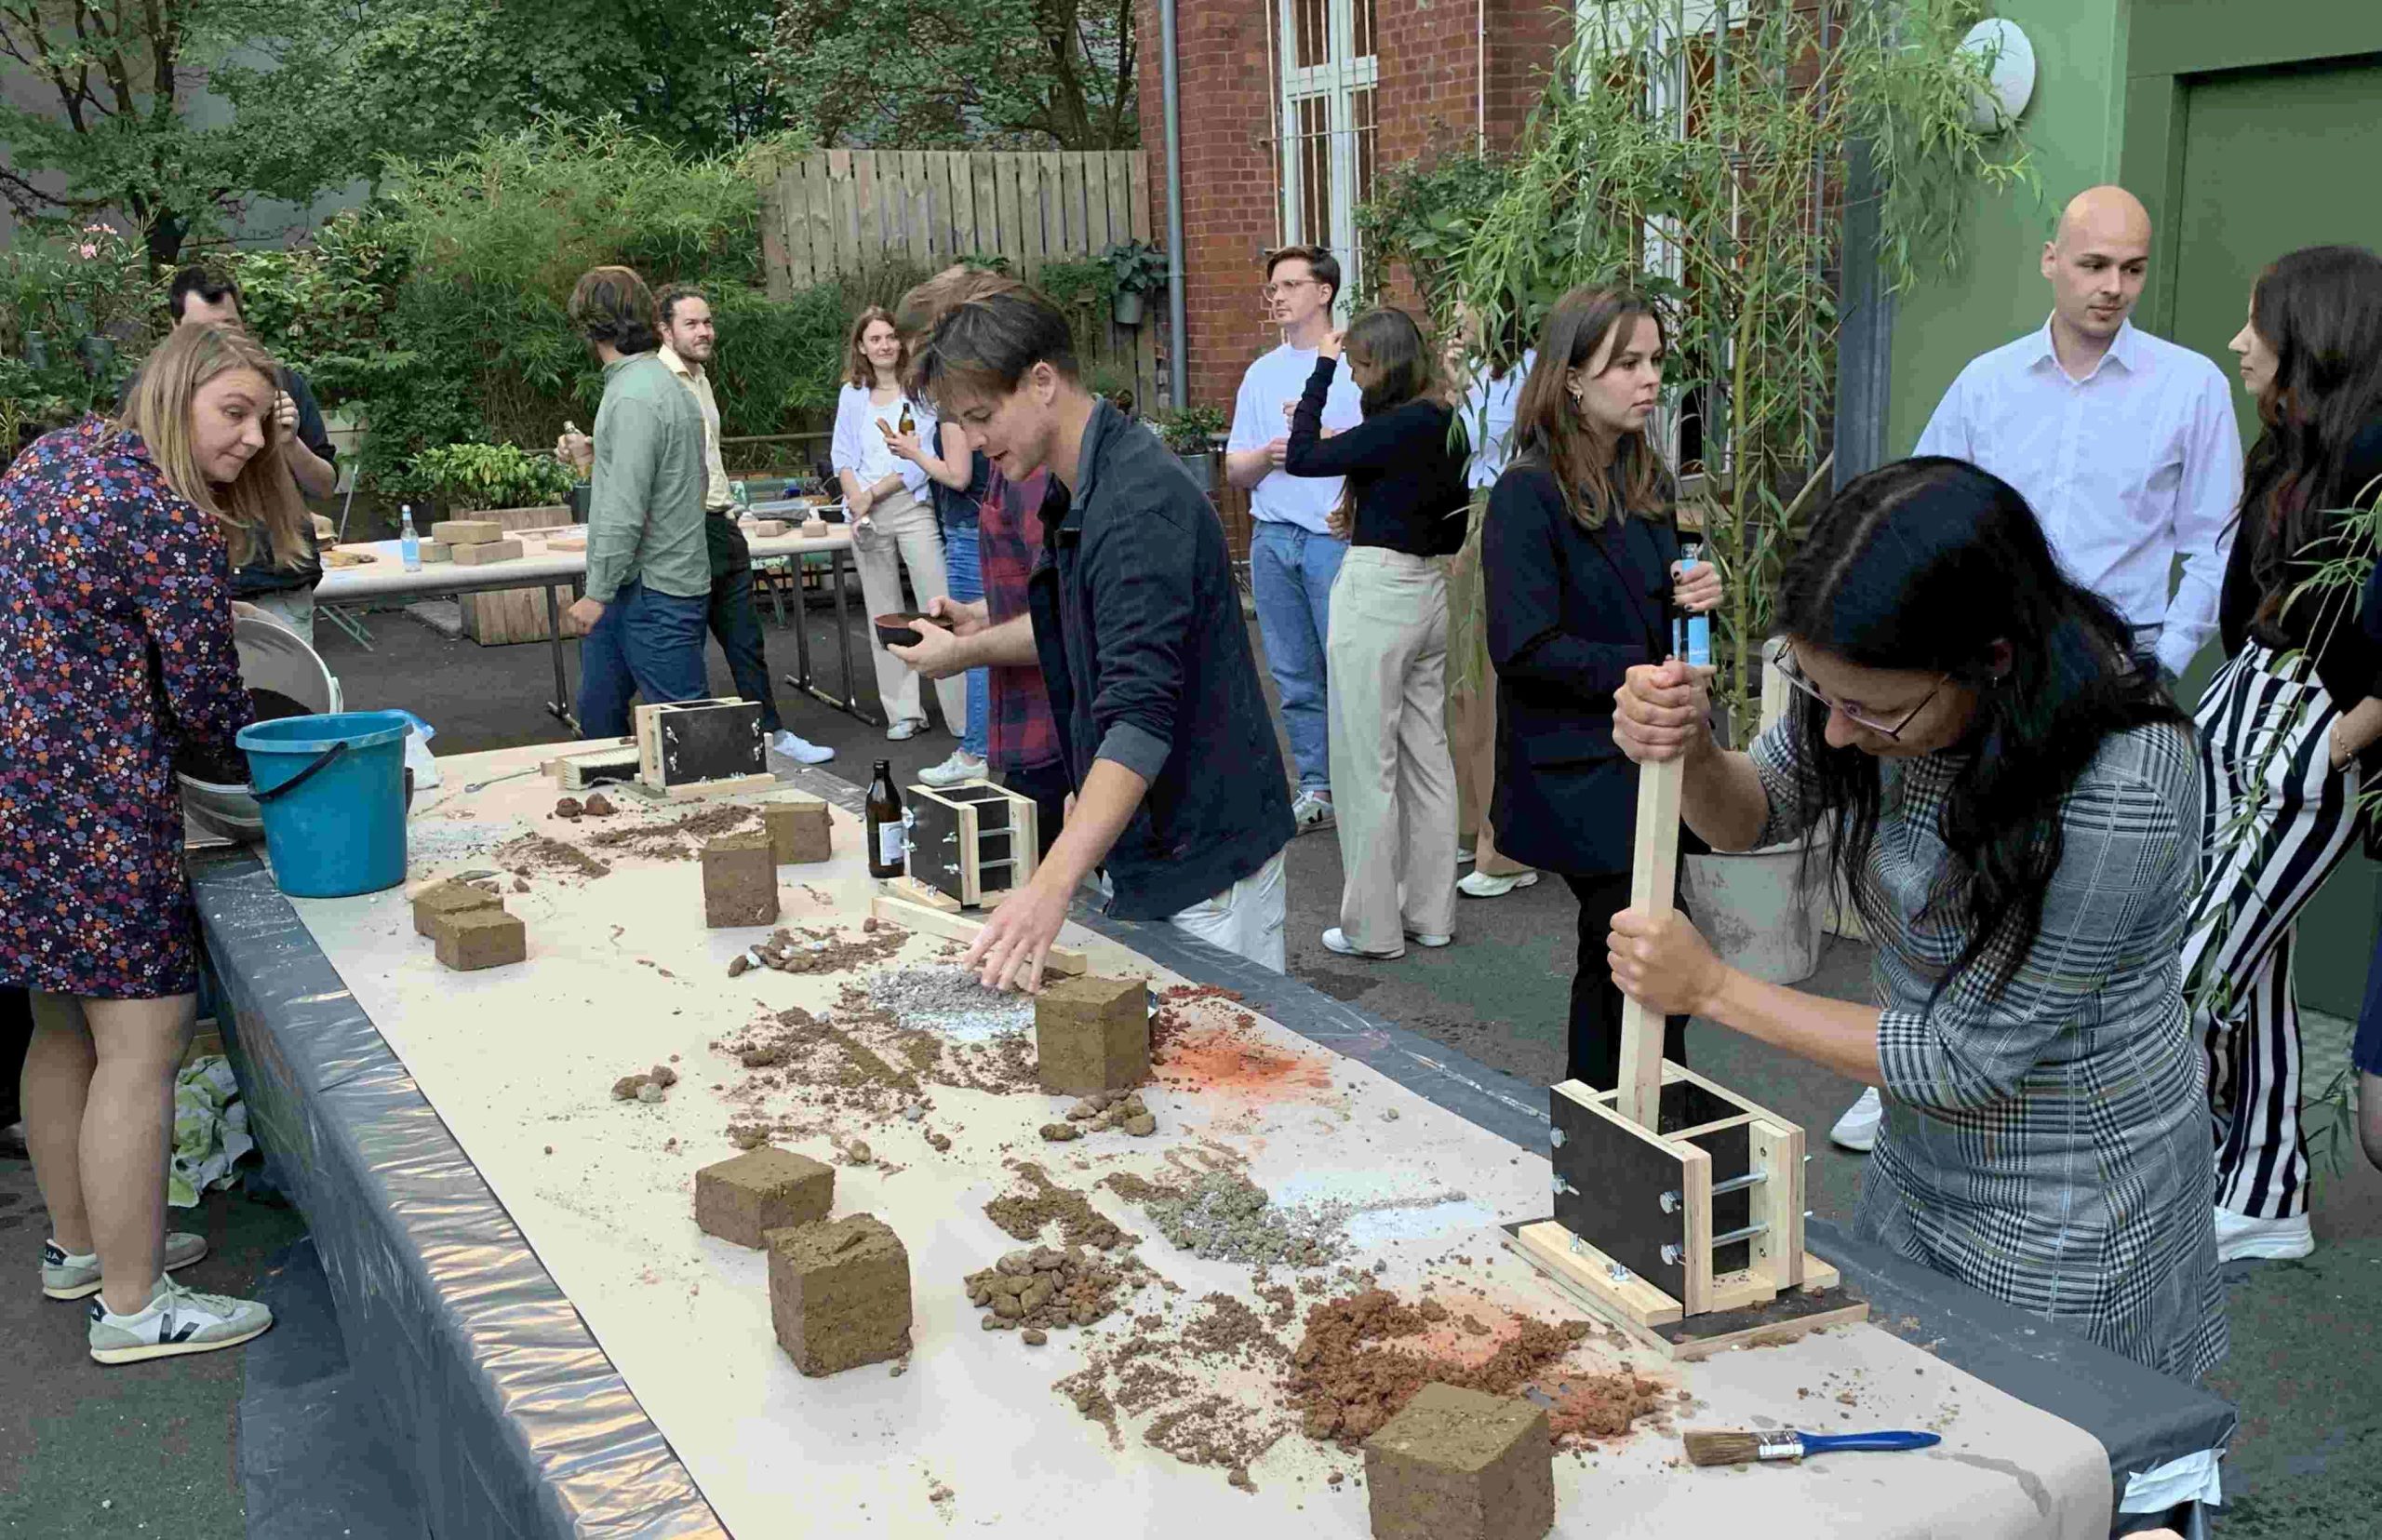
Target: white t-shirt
[(1276, 381), (1489, 420), (858, 445)]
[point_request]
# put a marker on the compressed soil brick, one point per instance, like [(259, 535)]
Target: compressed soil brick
[(1458, 1464), (740, 880), (449, 897), (767, 529), (1091, 1034), (798, 831), (485, 552), (742, 1199), (839, 1293), (466, 531), (436, 550), (480, 938)]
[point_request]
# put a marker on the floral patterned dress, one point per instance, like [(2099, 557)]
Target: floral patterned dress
[(115, 653)]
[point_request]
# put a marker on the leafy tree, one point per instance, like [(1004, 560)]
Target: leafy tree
[(1023, 73), (113, 131)]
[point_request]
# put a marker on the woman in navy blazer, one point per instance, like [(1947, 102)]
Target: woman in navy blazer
[(1580, 554)]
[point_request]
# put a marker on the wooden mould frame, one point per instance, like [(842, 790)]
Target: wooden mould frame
[(973, 843), (1651, 1175), (683, 745)]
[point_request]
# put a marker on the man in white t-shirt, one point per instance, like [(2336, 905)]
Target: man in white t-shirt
[(1293, 557)]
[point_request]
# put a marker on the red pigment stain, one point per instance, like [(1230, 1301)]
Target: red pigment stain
[(1225, 1058)]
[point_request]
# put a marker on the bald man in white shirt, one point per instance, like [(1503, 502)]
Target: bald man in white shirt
[(2123, 443)]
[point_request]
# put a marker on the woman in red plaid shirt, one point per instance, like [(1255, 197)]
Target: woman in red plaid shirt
[(1021, 740)]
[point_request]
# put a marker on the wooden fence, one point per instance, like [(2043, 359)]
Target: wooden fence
[(836, 213)]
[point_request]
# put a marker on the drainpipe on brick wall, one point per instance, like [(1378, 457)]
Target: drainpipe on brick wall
[(1480, 85), (1178, 366)]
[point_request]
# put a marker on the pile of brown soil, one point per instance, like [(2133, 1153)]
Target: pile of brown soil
[(1024, 1214), (1347, 1381), (1045, 1288), (676, 839), (536, 852), (821, 1053)]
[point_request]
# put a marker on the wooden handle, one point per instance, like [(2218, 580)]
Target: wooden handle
[(1654, 870)]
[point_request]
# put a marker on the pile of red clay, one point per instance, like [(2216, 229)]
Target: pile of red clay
[(1219, 1049), (1346, 1380)]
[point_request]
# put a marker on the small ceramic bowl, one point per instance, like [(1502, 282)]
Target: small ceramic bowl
[(897, 630)]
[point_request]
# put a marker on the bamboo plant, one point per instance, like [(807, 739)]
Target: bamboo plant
[(1697, 151)]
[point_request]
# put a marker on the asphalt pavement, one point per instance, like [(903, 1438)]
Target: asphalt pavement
[(157, 1440)]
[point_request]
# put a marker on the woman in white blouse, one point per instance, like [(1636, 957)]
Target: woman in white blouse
[(881, 457)]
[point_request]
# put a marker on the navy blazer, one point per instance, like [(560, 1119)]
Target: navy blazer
[(1570, 611)]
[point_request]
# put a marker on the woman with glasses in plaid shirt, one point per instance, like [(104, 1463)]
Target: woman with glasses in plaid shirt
[(2016, 808)]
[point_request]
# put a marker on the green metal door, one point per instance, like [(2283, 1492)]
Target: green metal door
[(2274, 160)]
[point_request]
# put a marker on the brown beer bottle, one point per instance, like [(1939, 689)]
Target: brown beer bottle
[(909, 423), (886, 832)]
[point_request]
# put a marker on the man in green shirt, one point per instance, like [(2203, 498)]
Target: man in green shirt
[(649, 573)]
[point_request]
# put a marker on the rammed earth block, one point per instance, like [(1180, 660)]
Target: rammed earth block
[(740, 880), (742, 1198), (480, 938), (1091, 1034), (1458, 1464), (839, 1293), (798, 831), (449, 897)]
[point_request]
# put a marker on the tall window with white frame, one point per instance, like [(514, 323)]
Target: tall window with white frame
[(1329, 78)]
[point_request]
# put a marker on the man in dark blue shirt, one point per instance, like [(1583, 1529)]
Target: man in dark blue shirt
[(1134, 618)]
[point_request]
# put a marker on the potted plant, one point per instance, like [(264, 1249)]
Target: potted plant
[(1192, 433), (1135, 269), (519, 490), (1745, 268)]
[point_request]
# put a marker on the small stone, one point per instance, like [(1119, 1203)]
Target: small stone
[(991, 1323), (738, 964), (1081, 1111), (569, 808), (901, 1367), (1389, 1115), (914, 1111), (649, 1093), (1142, 1127), (1432, 1310), (627, 1086), (1034, 1336), (941, 1142), (1333, 1479), (550, 1149), (1132, 1107), (868, 925), (599, 805), (520, 886), (857, 1153), (664, 1076)]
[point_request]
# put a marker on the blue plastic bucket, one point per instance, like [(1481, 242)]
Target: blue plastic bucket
[(332, 791)]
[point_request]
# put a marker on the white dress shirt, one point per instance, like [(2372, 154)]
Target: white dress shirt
[(2134, 465), (1488, 415)]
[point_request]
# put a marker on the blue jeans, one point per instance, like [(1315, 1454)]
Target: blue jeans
[(1292, 568), (965, 575), (647, 644)]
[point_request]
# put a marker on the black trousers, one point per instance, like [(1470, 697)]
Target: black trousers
[(734, 621), (1596, 1000), (1049, 785), (16, 1036)]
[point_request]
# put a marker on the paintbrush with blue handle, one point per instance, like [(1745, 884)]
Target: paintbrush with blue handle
[(1739, 1449)]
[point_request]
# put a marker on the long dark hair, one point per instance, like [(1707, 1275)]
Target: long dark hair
[(1390, 344), (2320, 310), (1546, 421), (1929, 565)]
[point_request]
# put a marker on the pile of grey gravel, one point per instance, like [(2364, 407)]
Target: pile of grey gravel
[(950, 1003)]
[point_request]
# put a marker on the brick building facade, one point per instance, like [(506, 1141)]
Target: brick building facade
[(1287, 109)]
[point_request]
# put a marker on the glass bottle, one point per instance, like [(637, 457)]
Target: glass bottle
[(888, 835), (409, 543)]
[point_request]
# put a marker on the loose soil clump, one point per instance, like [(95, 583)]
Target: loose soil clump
[(1046, 1289), (676, 839), (1025, 1214), (537, 852), (1346, 1380)]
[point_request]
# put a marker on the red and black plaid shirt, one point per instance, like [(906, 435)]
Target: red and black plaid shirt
[(1021, 733)]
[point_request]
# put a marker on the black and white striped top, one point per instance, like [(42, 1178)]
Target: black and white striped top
[(2047, 1141)]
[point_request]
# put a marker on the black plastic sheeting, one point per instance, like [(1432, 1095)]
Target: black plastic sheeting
[(510, 1420)]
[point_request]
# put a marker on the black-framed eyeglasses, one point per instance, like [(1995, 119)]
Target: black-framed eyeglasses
[(1792, 672)]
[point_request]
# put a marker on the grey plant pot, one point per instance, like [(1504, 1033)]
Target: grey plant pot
[(1127, 307), (1203, 471)]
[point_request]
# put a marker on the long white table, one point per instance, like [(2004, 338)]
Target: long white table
[(540, 566)]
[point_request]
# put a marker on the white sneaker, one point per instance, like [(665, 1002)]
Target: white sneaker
[(1857, 1130), (802, 751), (1464, 856), (1336, 940), (907, 727), (67, 1277), (1426, 940), (1311, 811), (961, 766), (177, 1320), (2242, 1238), (1481, 885)]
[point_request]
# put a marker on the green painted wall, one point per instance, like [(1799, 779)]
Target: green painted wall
[(2074, 126)]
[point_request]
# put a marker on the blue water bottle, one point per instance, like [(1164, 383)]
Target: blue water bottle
[(1692, 634), (408, 543)]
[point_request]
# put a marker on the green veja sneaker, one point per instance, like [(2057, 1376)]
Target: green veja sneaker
[(64, 1277), (177, 1321)]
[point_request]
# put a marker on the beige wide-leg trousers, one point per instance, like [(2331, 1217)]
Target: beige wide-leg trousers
[(1392, 784), (901, 528)]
